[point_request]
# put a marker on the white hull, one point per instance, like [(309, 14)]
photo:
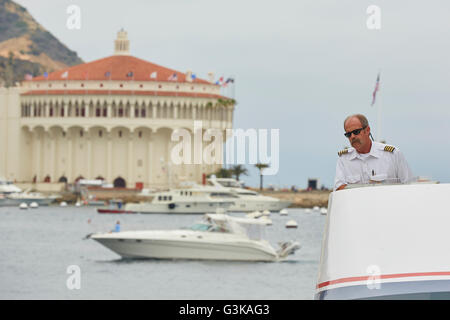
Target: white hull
[(187, 245), (255, 205), (179, 208), (7, 202), (391, 238)]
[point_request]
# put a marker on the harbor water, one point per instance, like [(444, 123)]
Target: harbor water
[(40, 249)]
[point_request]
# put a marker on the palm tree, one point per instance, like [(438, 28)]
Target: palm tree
[(222, 173), (261, 167), (238, 170)]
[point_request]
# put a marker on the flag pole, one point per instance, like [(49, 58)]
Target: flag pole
[(379, 112)]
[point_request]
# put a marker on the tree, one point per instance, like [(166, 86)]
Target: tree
[(222, 173), (261, 167), (239, 170)]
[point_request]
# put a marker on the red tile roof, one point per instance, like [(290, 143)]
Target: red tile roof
[(118, 66)]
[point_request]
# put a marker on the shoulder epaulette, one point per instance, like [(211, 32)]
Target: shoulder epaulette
[(344, 151), (389, 148)]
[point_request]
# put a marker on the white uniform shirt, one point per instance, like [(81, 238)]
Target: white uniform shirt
[(376, 166)]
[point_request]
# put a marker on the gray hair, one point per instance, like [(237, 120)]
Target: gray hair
[(361, 118)]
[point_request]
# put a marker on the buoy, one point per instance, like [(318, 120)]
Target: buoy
[(23, 205), (323, 211), (34, 205), (63, 204), (266, 212), (291, 224), (283, 212), (316, 208)]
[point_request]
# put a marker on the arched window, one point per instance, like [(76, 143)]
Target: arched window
[(119, 183)]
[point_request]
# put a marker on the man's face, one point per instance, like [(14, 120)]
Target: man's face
[(360, 142)]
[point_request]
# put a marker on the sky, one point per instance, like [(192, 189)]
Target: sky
[(299, 66)]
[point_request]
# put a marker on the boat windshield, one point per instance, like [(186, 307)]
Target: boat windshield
[(361, 182)]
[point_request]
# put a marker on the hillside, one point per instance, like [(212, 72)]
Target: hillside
[(26, 47)]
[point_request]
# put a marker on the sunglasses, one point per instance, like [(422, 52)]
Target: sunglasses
[(355, 132)]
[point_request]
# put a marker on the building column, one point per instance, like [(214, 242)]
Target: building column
[(89, 155), (53, 157), (37, 170), (69, 157), (175, 112), (109, 158), (150, 159), (131, 178), (154, 111)]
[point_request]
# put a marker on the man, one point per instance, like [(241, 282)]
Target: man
[(368, 161)]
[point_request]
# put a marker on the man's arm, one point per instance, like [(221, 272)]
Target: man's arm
[(342, 186), (404, 173), (339, 180)]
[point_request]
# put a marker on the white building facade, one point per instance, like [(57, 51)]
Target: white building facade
[(109, 119)]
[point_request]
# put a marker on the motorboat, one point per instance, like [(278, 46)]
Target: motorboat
[(115, 206), (8, 187), (184, 200), (216, 237), (247, 200), (386, 241), (14, 199)]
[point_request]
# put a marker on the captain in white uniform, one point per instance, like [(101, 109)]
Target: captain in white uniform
[(368, 161)]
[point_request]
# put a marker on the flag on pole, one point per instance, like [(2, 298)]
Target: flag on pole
[(229, 80), (193, 76), (219, 82), (153, 75), (377, 87), (173, 77), (45, 75), (65, 75)]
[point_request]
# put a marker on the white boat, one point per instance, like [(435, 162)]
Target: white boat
[(217, 237), (189, 200), (14, 199), (247, 200), (7, 187), (386, 242), (11, 195)]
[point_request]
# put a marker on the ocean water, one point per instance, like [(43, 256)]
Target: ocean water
[(39, 246)]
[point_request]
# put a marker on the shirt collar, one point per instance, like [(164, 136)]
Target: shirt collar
[(374, 151)]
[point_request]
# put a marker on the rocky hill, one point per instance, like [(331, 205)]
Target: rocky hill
[(26, 47)]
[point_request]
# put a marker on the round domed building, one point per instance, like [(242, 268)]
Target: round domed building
[(111, 119)]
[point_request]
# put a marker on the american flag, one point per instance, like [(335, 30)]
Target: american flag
[(377, 87), (173, 77)]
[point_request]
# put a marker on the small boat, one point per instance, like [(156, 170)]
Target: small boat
[(114, 207), (63, 204), (283, 212), (291, 224), (23, 205), (216, 237), (34, 205)]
